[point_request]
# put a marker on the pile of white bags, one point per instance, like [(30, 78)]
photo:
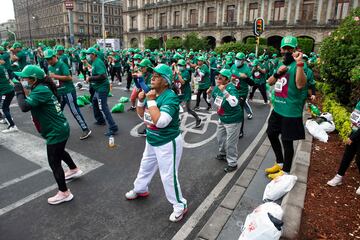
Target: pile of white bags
[(320, 127), (278, 187)]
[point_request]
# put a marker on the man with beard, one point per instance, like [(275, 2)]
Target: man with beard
[(290, 95)]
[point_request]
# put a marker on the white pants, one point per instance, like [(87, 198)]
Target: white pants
[(167, 158)]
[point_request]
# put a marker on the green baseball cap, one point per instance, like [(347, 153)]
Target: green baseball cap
[(145, 63), (2, 48), (226, 73), (49, 54), (5, 43), (289, 41), (181, 62), (178, 56), (164, 71), (274, 55), (201, 58), (16, 45), (31, 71), (251, 55), (137, 56), (256, 62), (59, 48), (92, 50), (240, 56)]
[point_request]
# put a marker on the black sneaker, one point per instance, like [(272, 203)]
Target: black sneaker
[(198, 123), (230, 168), (208, 108), (250, 116), (132, 108), (241, 134), (220, 157), (100, 123), (85, 134), (196, 108)]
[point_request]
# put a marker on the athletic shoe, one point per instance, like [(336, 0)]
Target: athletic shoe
[(10, 129), (177, 216), (198, 123), (196, 108), (228, 169), (274, 169), (275, 175), (220, 157), (119, 83), (241, 134), (61, 197), (208, 108), (358, 191), (73, 173), (111, 133), (267, 102), (3, 121), (100, 123), (250, 116), (131, 195), (132, 108), (336, 181), (85, 134)]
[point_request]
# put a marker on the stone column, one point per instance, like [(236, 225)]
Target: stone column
[(245, 10), (270, 8), (218, 8), (329, 13), (262, 9), (297, 11), (319, 11), (183, 15), (238, 13), (288, 11), (355, 3)]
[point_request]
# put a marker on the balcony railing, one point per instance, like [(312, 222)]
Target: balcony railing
[(132, 8), (278, 22), (150, 28), (210, 24), (133, 30), (334, 21), (306, 22), (149, 5), (162, 27), (229, 24), (193, 25), (176, 26)]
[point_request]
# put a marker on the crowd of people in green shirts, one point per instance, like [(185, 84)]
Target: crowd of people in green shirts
[(160, 81)]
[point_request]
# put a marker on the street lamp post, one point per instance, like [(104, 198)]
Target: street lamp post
[(103, 20), (28, 17), (11, 33)]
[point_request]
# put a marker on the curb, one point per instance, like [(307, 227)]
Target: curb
[(293, 202)]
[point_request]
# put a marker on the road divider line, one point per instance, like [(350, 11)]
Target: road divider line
[(22, 178)]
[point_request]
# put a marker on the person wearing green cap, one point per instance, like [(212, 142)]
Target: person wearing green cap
[(182, 83), (62, 56), (352, 149), (202, 76), (159, 109), (286, 118), (5, 56), (6, 95), (258, 74), (115, 69), (60, 73), (51, 123), (101, 86), (213, 67), (226, 99), (17, 57)]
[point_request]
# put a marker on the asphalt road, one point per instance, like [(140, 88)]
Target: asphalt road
[(99, 209)]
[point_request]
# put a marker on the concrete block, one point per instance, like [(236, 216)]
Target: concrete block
[(296, 196), (245, 178), (266, 142), (262, 151), (305, 146), (215, 224), (292, 221), (301, 171), (233, 197), (302, 158), (255, 162)]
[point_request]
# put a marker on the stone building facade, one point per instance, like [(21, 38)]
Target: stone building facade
[(49, 20), (231, 20)]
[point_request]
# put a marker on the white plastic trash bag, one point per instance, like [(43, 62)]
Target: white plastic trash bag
[(316, 131), (263, 223), (279, 187), (328, 126)]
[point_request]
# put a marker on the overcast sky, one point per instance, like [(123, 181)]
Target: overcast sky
[(6, 10)]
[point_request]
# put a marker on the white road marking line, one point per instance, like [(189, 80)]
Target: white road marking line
[(19, 179), (33, 148)]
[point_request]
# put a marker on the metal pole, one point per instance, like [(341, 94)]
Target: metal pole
[(88, 21), (28, 16), (11, 33), (71, 28), (103, 24), (257, 46)]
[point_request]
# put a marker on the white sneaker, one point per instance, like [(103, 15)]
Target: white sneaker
[(177, 216), (10, 129), (60, 197), (131, 195), (358, 191), (75, 173), (336, 181), (3, 121), (119, 83)]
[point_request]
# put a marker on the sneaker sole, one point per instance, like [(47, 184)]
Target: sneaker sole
[(86, 136), (76, 175), (139, 195), (67, 199), (334, 185), (181, 217)]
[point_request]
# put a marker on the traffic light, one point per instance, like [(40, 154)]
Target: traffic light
[(106, 34), (258, 26)]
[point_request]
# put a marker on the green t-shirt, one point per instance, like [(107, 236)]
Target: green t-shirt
[(185, 88), (289, 100), (257, 76), (98, 68), (21, 62), (205, 79), (213, 63), (47, 115), (117, 61), (6, 57), (227, 113), (167, 102), (244, 87), (65, 59), (5, 86), (60, 68)]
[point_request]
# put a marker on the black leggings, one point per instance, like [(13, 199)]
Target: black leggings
[(203, 92), (288, 145), (56, 153), (349, 154), (116, 71), (262, 89), (6, 107), (189, 110)]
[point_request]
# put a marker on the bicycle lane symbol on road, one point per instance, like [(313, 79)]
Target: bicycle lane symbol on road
[(189, 128)]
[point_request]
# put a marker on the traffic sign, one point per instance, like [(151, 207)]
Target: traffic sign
[(258, 26), (69, 4)]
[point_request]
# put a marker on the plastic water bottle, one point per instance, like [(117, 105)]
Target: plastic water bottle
[(314, 110), (111, 141)]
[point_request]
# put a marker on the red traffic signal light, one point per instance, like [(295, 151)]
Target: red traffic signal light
[(258, 26)]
